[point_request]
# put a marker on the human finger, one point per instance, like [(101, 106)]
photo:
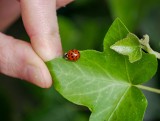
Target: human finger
[(17, 59), (40, 21), (9, 12)]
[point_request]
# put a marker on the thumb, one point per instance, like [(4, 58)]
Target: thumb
[(40, 20)]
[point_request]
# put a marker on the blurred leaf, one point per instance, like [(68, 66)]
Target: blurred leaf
[(54, 107), (105, 81), (68, 32), (80, 3), (128, 11), (132, 11), (82, 33), (5, 107), (92, 32), (150, 25)]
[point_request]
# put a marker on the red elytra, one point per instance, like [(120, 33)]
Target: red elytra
[(72, 55)]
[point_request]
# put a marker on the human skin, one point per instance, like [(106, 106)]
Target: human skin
[(25, 60)]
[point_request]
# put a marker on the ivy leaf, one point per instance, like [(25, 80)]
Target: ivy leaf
[(105, 81), (129, 46)]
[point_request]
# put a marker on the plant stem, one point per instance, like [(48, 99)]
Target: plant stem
[(148, 88), (145, 45)]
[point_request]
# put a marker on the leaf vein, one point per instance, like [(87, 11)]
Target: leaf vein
[(119, 102)]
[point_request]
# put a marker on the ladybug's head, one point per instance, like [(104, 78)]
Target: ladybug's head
[(65, 56)]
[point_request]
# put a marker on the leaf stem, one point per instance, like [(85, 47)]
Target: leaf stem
[(145, 46), (148, 88)]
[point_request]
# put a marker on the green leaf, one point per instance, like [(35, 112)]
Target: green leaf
[(129, 46), (105, 81)]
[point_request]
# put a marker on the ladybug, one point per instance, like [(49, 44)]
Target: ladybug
[(72, 55)]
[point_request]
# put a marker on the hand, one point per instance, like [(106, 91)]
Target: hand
[(26, 60)]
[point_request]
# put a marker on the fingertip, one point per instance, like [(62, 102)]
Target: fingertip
[(47, 82), (17, 59), (37, 76), (47, 47)]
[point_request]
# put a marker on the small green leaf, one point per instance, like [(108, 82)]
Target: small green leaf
[(105, 81), (129, 46)]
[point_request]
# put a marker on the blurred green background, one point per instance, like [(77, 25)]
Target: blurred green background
[(83, 25)]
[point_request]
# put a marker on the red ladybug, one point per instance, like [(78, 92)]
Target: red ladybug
[(72, 55)]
